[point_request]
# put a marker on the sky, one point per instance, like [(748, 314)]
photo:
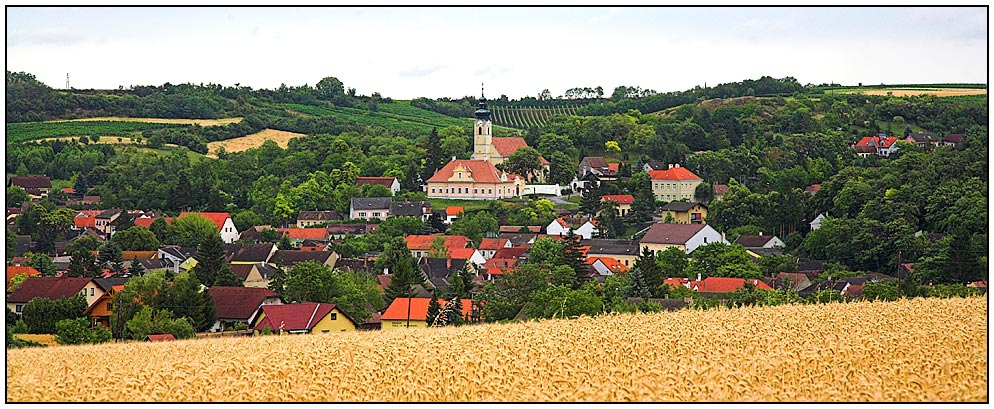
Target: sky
[(434, 52)]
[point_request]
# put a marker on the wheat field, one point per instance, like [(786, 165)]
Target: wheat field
[(282, 138), (909, 351), (201, 122)]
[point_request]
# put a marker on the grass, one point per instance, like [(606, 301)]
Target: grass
[(26, 131), (468, 205), (394, 115)]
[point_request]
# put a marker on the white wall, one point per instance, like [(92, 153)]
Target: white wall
[(542, 189), (707, 235), (228, 231)]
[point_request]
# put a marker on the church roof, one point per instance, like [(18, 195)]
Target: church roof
[(507, 146), (481, 170)]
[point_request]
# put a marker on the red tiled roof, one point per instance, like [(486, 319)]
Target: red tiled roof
[(725, 284), (238, 303), (423, 241), (596, 161), (621, 199), (671, 233), (879, 142), (383, 280), (48, 287), (813, 188), (493, 243), (613, 166), (454, 210), (13, 271), (146, 222), (160, 337), (68, 190), (33, 182), (510, 253), (507, 146), (313, 233), (517, 229), (461, 253), (679, 173), (217, 218), (675, 282), (294, 317), (720, 189), (419, 308), (375, 180), (611, 263), (85, 221), (482, 171)]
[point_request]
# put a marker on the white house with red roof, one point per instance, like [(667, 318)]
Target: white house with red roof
[(605, 266), (389, 182), (473, 180), (881, 144), (624, 202), (225, 226), (675, 183), (581, 227)]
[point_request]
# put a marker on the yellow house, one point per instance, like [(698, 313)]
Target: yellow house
[(685, 213), (625, 251), (254, 275), (303, 318), (396, 315), (675, 183), (624, 203)]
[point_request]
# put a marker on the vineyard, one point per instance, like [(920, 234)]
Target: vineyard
[(27, 131), (395, 115), (525, 117), (918, 350)]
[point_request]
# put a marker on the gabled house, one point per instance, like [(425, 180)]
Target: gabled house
[(881, 145), (597, 166), (303, 318), (473, 180), (438, 271), (36, 186), (673, 184), (581, 227), (102, 308), (389, 182), (240, 305), (369, 208), (793, 281), (105, 221), (97, 287), (45, 287), (179, 258), (952, 139), (925, 141), (751, 241), (159, 338), (519, 239), (625, 251), (685, 212), (605, 266), (257, 275), (420, 244), (453, 212), (653, 165), (719, 190), (686, 237), (419, 208), (624, 202), (340, 231), (489, 246), (225, 226), (816, 223), (413, 312), (722, 285), (239, 253), (310, 218), (468, 254), (14, 271)]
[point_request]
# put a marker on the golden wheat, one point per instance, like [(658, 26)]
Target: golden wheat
[(282, 138), (910, 350)]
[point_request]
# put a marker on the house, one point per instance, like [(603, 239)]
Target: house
[(418, 208), (816, 223), (685, 213), (298, 235), (36, 186), (597, 166), (288, 258), (624, 251), (413, 312), (225, 226), (239, 305), (925, 141), (389, 182), (469, 254), (675, 183), (105, 221), (793, 281), (686, 237), (760, 241), (719, 191), (155, 264), (45, 287), (519, 229), (257, 275), (240, 253), (420, 244), (438, 271), (624, 203), (881, 145), (722, 285), (159, 337), (369, 208), (953, 139), (580, 226), (653, 165), (605, 266), (340, 231), (489, 246), (180, 258), (453, 212), (520, 239), (835, 286), (97, 287), (356, 264), (102, 309), (814, 188), (303, 318), (473, 180), (14, 271), (308, 218)]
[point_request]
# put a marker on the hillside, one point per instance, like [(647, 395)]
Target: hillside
[(843, 352)]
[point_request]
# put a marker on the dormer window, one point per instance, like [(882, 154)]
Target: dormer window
[(460, 175)]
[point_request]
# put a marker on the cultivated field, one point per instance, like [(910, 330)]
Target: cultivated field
[(907, 92), (282, 138), (201, 122), (910, 350)]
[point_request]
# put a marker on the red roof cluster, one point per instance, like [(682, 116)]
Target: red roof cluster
[(879, 142), (492, 243), (423, 241), (419, 308), (676, 173)]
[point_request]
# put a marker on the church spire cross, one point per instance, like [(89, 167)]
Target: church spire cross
[(481, 91)]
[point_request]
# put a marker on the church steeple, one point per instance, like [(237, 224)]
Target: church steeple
[(482, 113), (482, 137)]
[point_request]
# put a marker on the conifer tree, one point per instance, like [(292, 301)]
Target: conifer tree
[(433, 312), (574, 258), (212, 269)]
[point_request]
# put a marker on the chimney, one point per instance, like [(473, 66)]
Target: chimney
[(760, 233), (698, 276), (453, 158), (670, 166)]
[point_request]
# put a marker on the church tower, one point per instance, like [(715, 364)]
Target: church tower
[(483, 148)]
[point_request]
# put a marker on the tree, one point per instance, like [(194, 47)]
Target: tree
[(503, 298), (397, 259), (475, 225), (437, 248), (574, 258), (82, 263), (43, 263), (309, 281), (562, 302), (524, 161), (591, 199), (610, 223), (547, 252), (330, 89), (187, 298), (191, 229), (246, 219), (704, 193), (41, 314), (149, 321), (135, 268), (110, 253), (212, 269), (86, 243), (136, 238), (451, 312), (651, 272), (11, 243), (16, 196), (673, 262), (81, 185), (76, 331), (433, 158), (645, 202), (723, 260), (434, 308), (638, 286), (161, 229)]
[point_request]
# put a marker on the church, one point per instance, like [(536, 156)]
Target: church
[(477, 178)]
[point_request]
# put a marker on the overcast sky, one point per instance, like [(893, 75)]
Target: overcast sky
[(447, 52)]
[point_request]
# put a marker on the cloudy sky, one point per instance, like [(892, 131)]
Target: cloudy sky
[(447, 52)]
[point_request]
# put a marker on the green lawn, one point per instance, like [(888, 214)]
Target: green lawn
[(468, 205)]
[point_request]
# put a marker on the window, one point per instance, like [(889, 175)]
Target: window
[(460, 175), (433, 190), (474, 190), (376, 214), (362, 214), (334, 316), (19, 307), (92, 291), (491, 191), (705, 240), (325, 331)]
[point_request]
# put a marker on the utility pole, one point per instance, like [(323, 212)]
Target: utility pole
[(67, 81), (899, 279)]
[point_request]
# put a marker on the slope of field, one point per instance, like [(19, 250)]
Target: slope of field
[(27, 131), (394, 115), (910, 350), (282, 138), (201, 122), (907, 92), (524, 117)]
